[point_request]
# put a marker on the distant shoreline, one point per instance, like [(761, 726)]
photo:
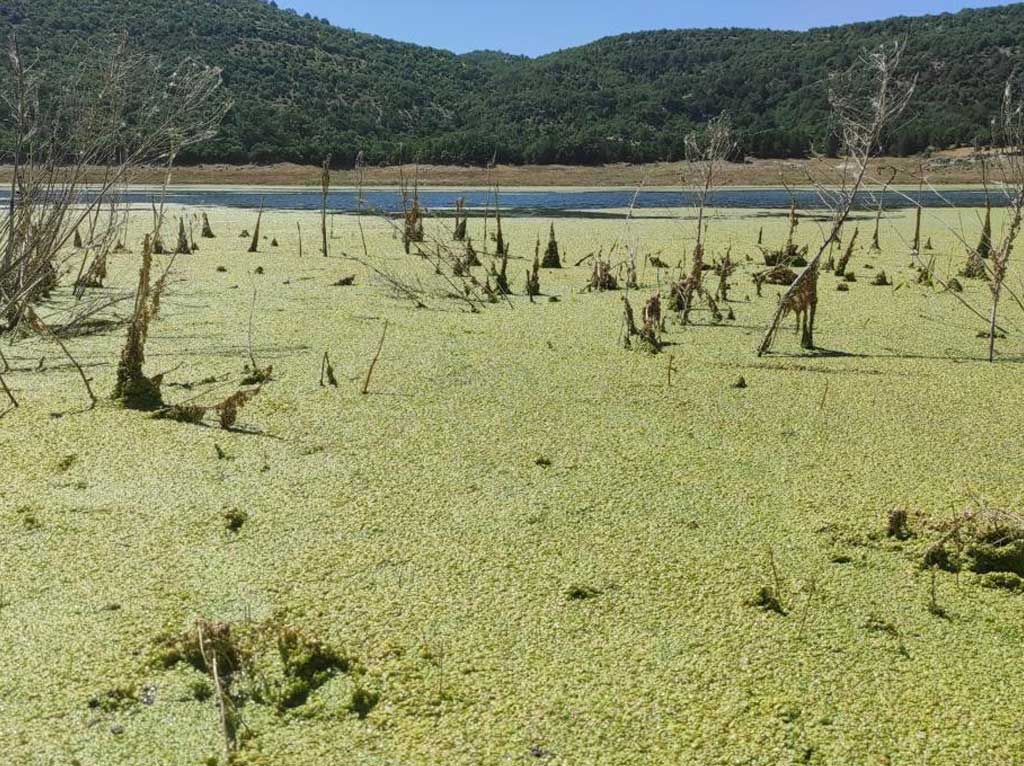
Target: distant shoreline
[(946, 169)]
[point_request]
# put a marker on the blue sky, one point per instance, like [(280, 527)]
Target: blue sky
[(534, 27)]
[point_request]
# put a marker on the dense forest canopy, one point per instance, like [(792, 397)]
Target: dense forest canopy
[(304, 89)]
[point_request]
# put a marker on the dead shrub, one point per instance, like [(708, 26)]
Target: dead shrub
[(601, 278)]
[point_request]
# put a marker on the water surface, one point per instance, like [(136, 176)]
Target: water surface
[(552, 202)]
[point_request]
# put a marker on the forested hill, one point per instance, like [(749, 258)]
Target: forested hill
[(304, 89)]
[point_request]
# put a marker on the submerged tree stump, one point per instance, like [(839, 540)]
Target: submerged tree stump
[(552, 259), (207, 229), (255, 244), (183, 247), (459, 232)]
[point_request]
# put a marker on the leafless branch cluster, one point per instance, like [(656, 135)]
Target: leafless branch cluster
[(78, 139), (1009, 135), (1003, 173), (866, 100), (450, 259), (706, 151)]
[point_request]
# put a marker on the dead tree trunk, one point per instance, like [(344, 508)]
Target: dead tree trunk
[(1001, 259), (985, 243), (459, 234), (552, 258), (207, 229), (325, 189), (725, 270), (844, 261), (183, 247), (499, 239), (254, 246), (692, 285), (533, 277)]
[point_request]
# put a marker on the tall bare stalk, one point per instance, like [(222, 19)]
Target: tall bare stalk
[(325, 190), (1010, 137), (876, 239)]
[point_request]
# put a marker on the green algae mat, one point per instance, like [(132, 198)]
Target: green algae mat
[(523, 546)]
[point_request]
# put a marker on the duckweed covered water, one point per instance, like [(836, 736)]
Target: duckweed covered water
[(592, 608)]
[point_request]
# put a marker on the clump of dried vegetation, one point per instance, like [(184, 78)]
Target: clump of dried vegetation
[(273, 664), (645, 336), (847, 256), (986, 540), (412, 224), (207, 229), (790, 254), (450, 259), (776, 275), (226, 410), (601, 277), (461, 221)]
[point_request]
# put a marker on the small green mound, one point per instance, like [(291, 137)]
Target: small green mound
[(1002, 581), (283, 680), (987, 335), (897, 524), (308, 664), (141, 394), (991, 558), (581, 593), (647, 344), (877, 624), (939, 556), (767, 599), (234, 519), (191, 415), (29, 519), (200, 689), (65, 463), (115, 700), (363, 702), (255, 376), (217, 643)]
